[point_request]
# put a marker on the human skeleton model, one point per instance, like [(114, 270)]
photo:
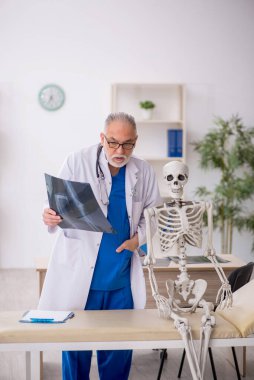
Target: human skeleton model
[(179, 223)]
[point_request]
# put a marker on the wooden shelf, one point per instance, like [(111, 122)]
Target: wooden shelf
[(165, 159), (154, 121), (169, 113)]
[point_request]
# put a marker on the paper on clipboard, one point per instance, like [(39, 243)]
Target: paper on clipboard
[(46, 316)]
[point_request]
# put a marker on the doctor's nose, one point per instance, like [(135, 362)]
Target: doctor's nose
[(120, 149)]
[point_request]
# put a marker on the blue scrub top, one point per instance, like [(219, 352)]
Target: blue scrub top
[(112, 269)]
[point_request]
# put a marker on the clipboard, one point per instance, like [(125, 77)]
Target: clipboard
[(46, 316)]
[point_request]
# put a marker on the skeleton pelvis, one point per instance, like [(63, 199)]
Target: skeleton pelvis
[(191, 293)]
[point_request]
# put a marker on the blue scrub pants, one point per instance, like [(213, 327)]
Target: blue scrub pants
[(112, 365)]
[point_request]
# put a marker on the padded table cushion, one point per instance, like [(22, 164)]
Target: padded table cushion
[(99, 326), (241, 315)]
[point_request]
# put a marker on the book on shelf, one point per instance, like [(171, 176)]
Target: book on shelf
[(175, 143)]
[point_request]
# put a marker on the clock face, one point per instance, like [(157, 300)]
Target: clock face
[(51, 97)]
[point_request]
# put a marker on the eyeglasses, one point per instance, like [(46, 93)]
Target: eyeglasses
[(116, 145)]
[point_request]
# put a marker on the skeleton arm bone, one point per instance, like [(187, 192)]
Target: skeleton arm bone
[(224, 292), (224, 297), (150, 258), (210, 251), (153, 281), (161, 302), (164, 305)]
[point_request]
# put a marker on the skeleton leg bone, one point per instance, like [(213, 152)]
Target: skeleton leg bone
[(197, 366), (205, 333), (207, 323), (164, 306), (185, 331)]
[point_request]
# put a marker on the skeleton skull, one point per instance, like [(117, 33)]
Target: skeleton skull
[(176, 176)]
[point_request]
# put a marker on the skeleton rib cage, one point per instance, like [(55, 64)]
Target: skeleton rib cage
[(174, 222)]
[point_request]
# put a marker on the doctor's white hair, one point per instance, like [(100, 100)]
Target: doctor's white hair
[(120, 116)]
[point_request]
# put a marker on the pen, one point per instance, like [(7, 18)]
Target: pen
[(42, 320)]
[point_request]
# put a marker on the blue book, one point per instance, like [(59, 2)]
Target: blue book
[(175, 143)]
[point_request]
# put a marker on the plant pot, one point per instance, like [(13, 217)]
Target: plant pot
[(146, 113)]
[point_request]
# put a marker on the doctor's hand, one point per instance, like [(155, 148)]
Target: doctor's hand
[(130, 244), (50, 218)]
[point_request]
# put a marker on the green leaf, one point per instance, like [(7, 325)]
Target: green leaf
[(147, 104), (228, 148)]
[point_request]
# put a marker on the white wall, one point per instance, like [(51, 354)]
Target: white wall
[(85, 46)]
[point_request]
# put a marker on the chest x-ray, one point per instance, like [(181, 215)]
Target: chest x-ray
[(76, 204)]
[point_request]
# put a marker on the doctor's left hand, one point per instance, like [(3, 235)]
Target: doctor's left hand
[(130, 244)]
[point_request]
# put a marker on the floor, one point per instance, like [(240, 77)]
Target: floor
[(19, 291)]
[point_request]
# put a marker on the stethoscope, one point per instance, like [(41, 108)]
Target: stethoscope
[(101, 178)]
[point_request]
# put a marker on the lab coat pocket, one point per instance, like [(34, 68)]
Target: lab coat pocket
[(69, 251), (66, 283)]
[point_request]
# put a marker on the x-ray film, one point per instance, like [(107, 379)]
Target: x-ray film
[(76, 204)]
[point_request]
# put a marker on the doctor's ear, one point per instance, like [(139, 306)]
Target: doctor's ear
[(102, 138)]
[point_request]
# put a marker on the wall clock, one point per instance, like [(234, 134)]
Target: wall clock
[(51, 97)]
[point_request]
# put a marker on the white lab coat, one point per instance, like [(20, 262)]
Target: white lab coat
[(74, 254)]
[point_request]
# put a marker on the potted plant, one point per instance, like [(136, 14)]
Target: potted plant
[(229, 149), (147, 107)]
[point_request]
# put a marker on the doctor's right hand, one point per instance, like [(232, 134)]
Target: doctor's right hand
[(50, 218)]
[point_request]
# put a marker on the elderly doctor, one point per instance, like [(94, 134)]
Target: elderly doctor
[(101, 271)]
